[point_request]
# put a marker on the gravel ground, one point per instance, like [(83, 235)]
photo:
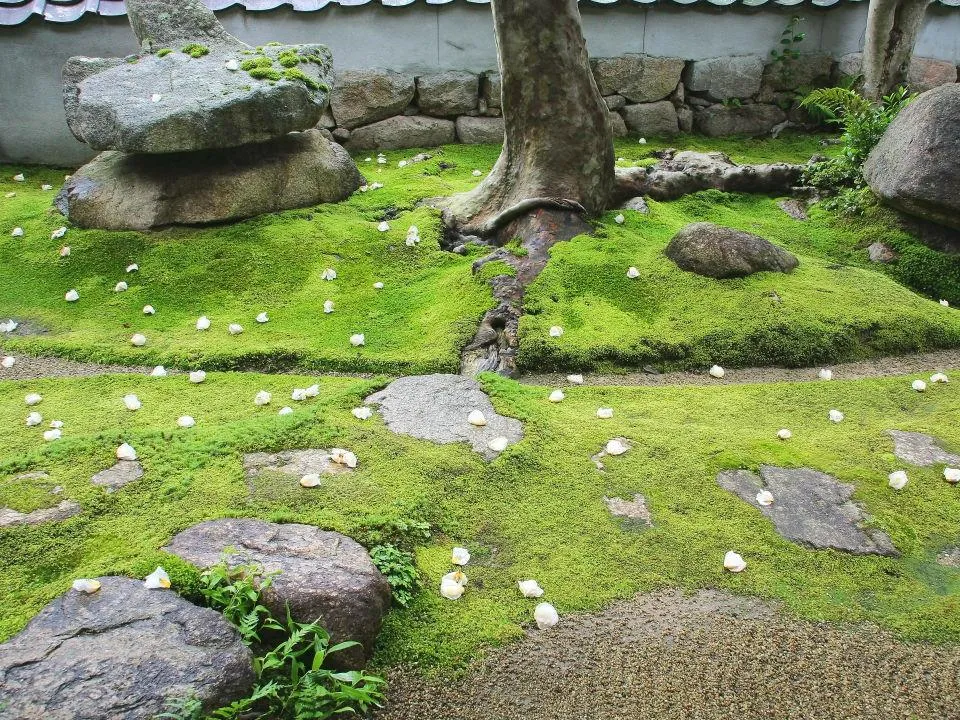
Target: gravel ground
[(31, 368), (923, 363), (706, 656)]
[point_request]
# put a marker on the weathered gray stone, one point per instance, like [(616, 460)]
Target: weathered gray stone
[(914, 166), (436, 407), (121, 653), (722, 120), (614, 102), (950, 557), (849, 65), (794, 208), (724, 78), (637, 204), (295, 463), (490, 89), (202, 105), (340, 135), (811, 70), (448, 94), (618, 128), (75, 71), (635, 509), (477, 130), (658, 118), (59, 513), (639, 78), (881, 253), (720, 252), (360, 97), (117, 191), (921, 450), (404, 132), (809, 508), (116, 476), (322, 576), (927, 73), (161, 23), (685, 119)]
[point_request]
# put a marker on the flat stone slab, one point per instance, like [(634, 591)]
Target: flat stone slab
[(120, 653), (635, 509), (436, 407), (793, 208), (296, 463), (115, 477), (59, 513), (919, 449), (322, 575), (810, 508), (950, 557)]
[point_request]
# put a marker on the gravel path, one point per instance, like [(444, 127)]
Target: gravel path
[(30, 367), (706, 656), (879, 367)]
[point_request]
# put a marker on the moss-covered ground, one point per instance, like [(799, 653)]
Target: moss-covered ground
[(537, 511), (836, 306)]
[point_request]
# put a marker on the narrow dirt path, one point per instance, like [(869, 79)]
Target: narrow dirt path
[(709, 656)]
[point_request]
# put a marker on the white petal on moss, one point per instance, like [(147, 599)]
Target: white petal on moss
[(383, 226), (945, 303), (376, 185), (65, 251), (460, 556), (897, 480), (835, 416), (457, 576), (328, 307), (633, 273), (138, 340), (312, 391), (7, 362), (235, 328), (159, 371), (8, 326), (285, 410), (262, 398), (530, 588), (16, 232), (825, 374), (717, 372), (263, 318), (343, 457), (951, 475), (126, 452), (311, 480), (56, 424), (498, 444), (86, 586), (185, 421), (328, 274), (556, 331), (149, 310), (71, 296), (545, 616), (132, 268), (362, 413), (121, 287), (33, 399), (575, 379), (51, 435), (784, 434), (157, 580), (132, 402), (451, 590), (358, 340), (34, 419), (734, 562), (476, 173), (619, 219), (556, 396), (197, 376), (937, 378), (765, 498), (203, 323), (58, 233), (919, 385), (604, 413), (378, 286), (19, 177), (476, 418), (46, 187), (616, 447), (299, 394)]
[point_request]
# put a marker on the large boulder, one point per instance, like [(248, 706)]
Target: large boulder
[(76, 70), (720, 252), (723, 78), (658, 118), (116, 191), (448, 94), (490, 89), (476, 130), (159, 23), (724, 120), (178, 103), (927, 73), (361, 97), (916, 165), (639, 78), (322, 576), (121, 653), (404, 131)]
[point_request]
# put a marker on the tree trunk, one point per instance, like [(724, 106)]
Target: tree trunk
[(892, 30), (558, 147)]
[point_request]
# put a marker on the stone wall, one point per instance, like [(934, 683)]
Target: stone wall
[(645, 95)]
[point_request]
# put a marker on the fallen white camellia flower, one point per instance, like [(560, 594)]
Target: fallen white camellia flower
[(402, 163), (457, 576), (765, 497), (328, 307), (328, 274), (132, 268), (897, 480), (383, 226), (939, 378), (460, 556), (717, 371), (642, 141), (197, 376), (157, 580), (65, 251), (10, 195), (235, 328), (312, 391), (19, 177), (285, 410), (86, 586), (71, 296), (619, 219), (45, 187), (604, 413), (50, 435), (362, 413), (56, 424), (378, 286), (138, 340), (7, 362), (476, 173), (58, 233), (633, 273), (203, 323), (476, 418), (919, 385), (34, 419), (575, 379), (121, 287), (376, 185), (556, 396), (9, 326), (451, 589), (149, 310), (126, 452), (298, 394), (951, 475), (358, 340), (945, 303), (262, 398), (835, 416), (185, 421), (17, 232), (498, 444), (310, 480), (263, 318), (232, 65), (826, 374), (530, 588), (132, 402), (158, 371), (33, 399), (616, 447), (343, 457), (556, 331), (156, 97), (734, 562), (546, 616), (784, 434)]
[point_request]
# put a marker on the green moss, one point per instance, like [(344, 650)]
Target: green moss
[(297, 75), (195, 50), (493, 269), (289, 58), (260, 61), (274, 44), (164, 52), (265, 73)]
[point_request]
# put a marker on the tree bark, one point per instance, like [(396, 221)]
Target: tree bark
[(558, 147), (892, 30)]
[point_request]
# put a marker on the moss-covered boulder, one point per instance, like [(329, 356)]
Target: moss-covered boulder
[(720, 252)]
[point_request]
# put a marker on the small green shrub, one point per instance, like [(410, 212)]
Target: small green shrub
[(787, 54), (164, 52), (399, 532), (400, 571), (236, 592), (195, 50)]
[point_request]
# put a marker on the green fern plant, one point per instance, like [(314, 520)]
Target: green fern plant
[(400, 571)]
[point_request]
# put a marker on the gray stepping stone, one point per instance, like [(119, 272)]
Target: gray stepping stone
[(59, 513), (810, 508), (436, 407), (635, 509), (950, 557), (292, 462), (919, 449), (123, 473)]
